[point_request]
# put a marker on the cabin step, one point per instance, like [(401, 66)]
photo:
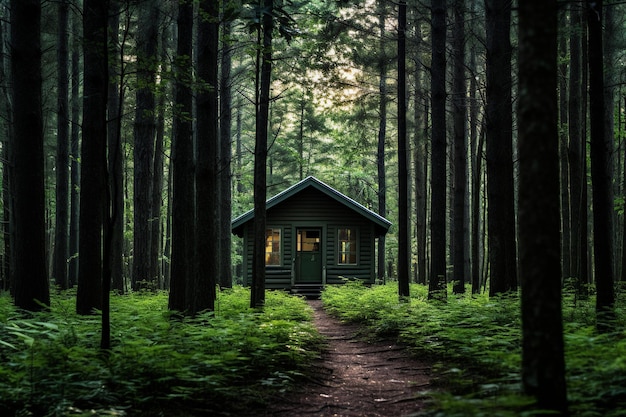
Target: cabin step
[(310, 291)]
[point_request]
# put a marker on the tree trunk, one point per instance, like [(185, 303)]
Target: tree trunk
[(601, 173), (238, 147), (586, 223), (476, 141), (500, 188), (31, 281), (93, 156), (622, 276), (566, 236), (207, 112), (437, 283), (460, 148), (8, 260), (382, 134), (421, 167), (156, 243), (62, 171), (75, 157), (257, 298), (167, 240), (183, 203), (404, 227), (543, 364), (114, 141), (158, 226), (575, 151), (143, 151), (611, 47), (225, 273), (238, 183)]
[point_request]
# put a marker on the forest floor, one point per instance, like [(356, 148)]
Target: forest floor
[(356, 377)]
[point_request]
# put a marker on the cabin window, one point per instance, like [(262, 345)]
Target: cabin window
[(272, 247), (347, 245)]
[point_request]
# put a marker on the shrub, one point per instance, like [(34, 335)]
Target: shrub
[(223, 360), (474, 343)]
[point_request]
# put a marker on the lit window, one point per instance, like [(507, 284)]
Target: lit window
[(272, 247), (347, 246)]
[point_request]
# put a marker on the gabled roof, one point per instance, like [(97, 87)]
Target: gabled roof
[(313, 182)]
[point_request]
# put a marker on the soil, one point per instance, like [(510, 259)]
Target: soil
[(355, 377)]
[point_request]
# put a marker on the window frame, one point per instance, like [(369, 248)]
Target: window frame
[(340, 252), (273, 230)]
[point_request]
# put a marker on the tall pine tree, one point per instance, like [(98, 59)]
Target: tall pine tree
[(31, 280)]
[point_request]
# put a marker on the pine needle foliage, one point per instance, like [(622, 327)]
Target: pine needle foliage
[(213, 364), (474, 342)]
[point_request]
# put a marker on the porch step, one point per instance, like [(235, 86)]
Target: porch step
[(311, 291)]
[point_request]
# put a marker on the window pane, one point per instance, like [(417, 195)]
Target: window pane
[(272, 247), (308, 241), (347, 245)]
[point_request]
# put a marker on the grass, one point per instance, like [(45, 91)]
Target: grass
[(475, 345), (216, 363)]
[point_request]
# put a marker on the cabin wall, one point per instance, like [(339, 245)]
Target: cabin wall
[(364, 269), (312, 208), (276, 277)]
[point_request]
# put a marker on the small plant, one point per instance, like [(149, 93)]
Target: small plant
[(222, 360), (475, 344)]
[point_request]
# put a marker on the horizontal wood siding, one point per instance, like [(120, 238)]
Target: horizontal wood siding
[(363, 270), (275, 276), (313, 208)]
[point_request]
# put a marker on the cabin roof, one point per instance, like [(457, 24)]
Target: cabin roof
[(381, 223)]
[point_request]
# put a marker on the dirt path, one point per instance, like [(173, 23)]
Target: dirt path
[(356, 378)]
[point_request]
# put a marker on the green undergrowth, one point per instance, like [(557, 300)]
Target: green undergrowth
[(474, 344), (214, 364)]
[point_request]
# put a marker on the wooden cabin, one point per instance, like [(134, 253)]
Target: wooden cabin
[(315, 236)]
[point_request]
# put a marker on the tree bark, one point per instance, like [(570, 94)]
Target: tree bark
[(404, 227), (257, 298), (601, 173), (225, 273), (183, 203), (611, 47), (577, 183), (437, 283), (61, 228), (460, 148), (543, 364), (143, 150), (114, 142), (207, 112), (156, 219), (566, 235), (476, 141), (382, 135), (499, 119), (421, 166), (75, 156), (93, 156), (31, 280), (8, 260)]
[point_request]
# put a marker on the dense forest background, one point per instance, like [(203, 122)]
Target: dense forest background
[(332, 113), (490, 133)]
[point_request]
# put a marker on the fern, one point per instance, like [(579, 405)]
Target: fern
[(475, 344), (51, 363)]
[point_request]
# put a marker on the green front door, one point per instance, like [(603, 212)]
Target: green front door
[(309, 256)]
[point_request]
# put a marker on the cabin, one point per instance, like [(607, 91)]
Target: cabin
[(315, 236)]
